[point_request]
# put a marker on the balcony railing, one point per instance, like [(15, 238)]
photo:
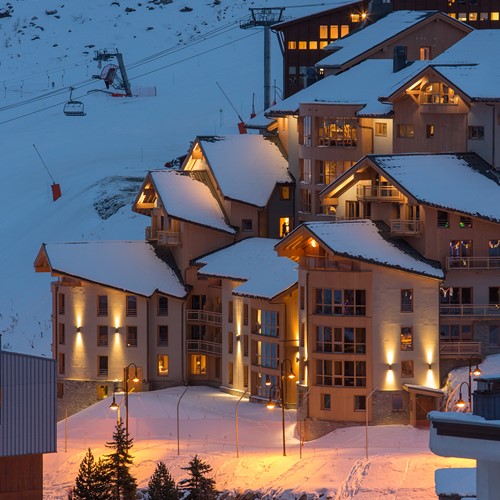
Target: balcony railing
[(380, 193), (451, 349), (470, 310), (204, 346), (202, 316), (166, 238), (406, 227), (473, 263)]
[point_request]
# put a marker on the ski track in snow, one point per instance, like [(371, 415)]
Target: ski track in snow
[(352, 484)]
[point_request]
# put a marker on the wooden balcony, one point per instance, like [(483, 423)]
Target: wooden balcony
[(475, 263), (204, 347), (470, 310), (165, 238), (451, 349), (204, 317), (378, 193), (401, 227)]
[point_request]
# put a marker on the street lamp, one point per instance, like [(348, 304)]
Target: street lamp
[(475, 372), (116, 407), (236, 423), (135, 380), (271, 405), (461, 403)]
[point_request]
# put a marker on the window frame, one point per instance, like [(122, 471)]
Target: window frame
[(132, 333), (131, 306)]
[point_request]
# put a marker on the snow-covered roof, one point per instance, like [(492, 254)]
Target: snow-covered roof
[(132, 266), (361, 41), (295, 10), (255, 262), (446, 181), (350, 87), (363, 240), (472, 65), (247, 167), (188, 199), (259, 121)]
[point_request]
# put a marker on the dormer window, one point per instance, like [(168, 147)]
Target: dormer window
[(439, 93)]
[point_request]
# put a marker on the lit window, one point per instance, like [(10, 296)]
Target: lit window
[(462, 16), (163, 335), (355, 18), (305, 174), (406, 130), (284, 226), (334, 32), (429, 131), (407, 369), (484, 16), (406, 338), (323, 44), (381, 129), (344, 30), (198, 364), (285, 192), (452, 15), (163, 365), (439, 93), (131, 336), (476, 132), (425, 53), (131, 305), (302, 45), (313, 45), (323, 32), (472, 16), (495, 16), (292, 45), (465, 222), (406, 300)]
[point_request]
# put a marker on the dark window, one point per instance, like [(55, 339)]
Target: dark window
[(350, 340), (465, 222), (230, 311), (230, 342), (494, 336), (430, 131), (131, 305), (494, 295), (102, 369), (163, 335), (494, 250), (455, 333), (230, 375), (324, 339), (443, 219), (359, 403), (162, 306), (475, 132), (60, 390), (245, 345), (406, 130), (326, 402), (62, 303), (397, 402), (407, 369), (245, 314), (62, 364), (246, 224), (102, 305), (350, 373), (62, 334), (302, 298), (102, 336), (131, 336), (406, 300), (245, 376)]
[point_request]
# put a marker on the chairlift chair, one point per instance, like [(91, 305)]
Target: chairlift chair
[(72, 107)]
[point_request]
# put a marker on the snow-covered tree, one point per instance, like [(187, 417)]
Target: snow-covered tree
[(162, 486), (92, 482), (117, 464), (200, 486)]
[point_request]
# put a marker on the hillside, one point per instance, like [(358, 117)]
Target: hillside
[(100, 159)]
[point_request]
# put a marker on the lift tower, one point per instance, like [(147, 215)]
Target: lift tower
[(265, 18), (105, 55)]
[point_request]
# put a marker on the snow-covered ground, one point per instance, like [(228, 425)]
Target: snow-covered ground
[(399, 463), (100, 159)]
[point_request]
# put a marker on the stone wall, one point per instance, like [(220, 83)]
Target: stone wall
[(382, 412)]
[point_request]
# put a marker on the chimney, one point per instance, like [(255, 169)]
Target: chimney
[(377, 9), (311, 76), (399, 58)]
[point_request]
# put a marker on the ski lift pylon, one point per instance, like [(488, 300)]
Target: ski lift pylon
[(72, 107)]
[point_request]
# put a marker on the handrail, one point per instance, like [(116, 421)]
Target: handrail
[(203, 316), (204, 346), (473, 262), (483, 310)]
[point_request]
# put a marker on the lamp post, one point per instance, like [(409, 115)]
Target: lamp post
[(282, 387), (475, 372), (366, 421), (461, 403), (178, 403), (135, 379), (116, 407), (236, 423)]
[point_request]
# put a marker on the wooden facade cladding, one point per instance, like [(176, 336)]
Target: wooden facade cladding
[(21, 477)]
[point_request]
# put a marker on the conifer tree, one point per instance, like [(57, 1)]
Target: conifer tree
[(162, 486), (92, 482), (200, 486), (123, 484)]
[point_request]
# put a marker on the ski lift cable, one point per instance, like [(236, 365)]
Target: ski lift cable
[(44, 164)]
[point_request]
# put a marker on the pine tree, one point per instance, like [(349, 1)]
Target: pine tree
[(92, 482), (200, 486), (161, 486), (123, 484)]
